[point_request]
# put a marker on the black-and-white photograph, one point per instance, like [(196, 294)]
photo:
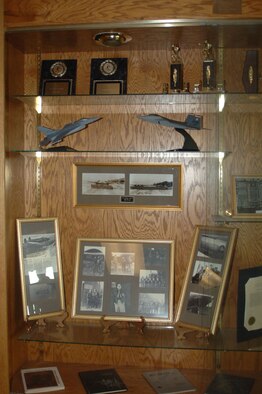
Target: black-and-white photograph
[(152, 279), (203, 290), (247, 195), (122, 263), (38, 245), (103, 184), (155, 255), (199, 304), (120, 297), (42, 291), (202, 273), (92, 294), (140, 185), (123, 288), (213, 245), (152, 304), (151, 184), (40, 267), (93, 261)]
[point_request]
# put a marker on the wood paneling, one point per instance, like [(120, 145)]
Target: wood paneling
[(4, 359), (120, 130), (61, 12)]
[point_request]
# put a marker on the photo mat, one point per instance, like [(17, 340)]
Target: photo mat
[(124, 279), (131, 185), (40, 268), (206, 277)]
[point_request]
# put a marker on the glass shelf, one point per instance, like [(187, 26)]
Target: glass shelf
[(146, 98), (137, 103), (236, 219), (152, 337), (122, 154), (212, 102)]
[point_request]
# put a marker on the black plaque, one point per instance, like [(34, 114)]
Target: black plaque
[(250, 72), (209, 67), (58, 77), (108, 76), (176, 70)]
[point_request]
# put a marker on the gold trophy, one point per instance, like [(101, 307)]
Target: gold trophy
[(209, 67), (176, 70)]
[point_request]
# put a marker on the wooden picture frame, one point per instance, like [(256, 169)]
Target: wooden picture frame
[(40, 268), (124, 280), (247, 195), (249, 320), (130, 185), (206, 278)]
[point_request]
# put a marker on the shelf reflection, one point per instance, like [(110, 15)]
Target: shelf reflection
[(128, 336)]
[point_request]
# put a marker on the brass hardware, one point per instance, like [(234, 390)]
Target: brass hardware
[(250, 75)]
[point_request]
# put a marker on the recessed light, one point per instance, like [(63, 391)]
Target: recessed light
[(111, 39)]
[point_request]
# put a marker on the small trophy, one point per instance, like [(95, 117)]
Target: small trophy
[(209, 67), (176, 70), (250, 77)]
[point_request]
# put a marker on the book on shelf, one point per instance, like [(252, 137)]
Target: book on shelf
[(228, 384), (41, 380), (102, 381), (168, 381)]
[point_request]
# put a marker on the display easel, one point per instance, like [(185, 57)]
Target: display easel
[(108, 324)]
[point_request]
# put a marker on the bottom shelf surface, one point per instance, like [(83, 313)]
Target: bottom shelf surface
[(132, 377)]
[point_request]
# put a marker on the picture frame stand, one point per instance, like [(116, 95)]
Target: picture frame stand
[(182, 332), (107, 324), (59, 320)]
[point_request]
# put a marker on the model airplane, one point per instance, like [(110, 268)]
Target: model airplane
[(52, 137), (192, 122)]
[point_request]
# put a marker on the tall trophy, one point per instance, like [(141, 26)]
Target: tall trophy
[(209, 67), (176, 70)]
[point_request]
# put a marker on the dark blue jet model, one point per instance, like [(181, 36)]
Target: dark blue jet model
[(52, 137), (192, 122)]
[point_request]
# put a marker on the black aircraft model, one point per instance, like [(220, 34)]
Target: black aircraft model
[(192, 122)]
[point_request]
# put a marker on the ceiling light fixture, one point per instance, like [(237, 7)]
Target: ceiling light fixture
[(111, 39)]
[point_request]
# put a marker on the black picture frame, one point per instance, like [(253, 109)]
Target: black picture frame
[(61, 82), (249, 283), (108, 81)]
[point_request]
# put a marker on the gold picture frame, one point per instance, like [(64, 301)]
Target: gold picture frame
[(247, 196), (128, 185), (206, 278), (40, 268), (124, 280)]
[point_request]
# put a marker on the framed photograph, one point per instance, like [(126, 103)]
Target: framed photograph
[(249, 304), (124, 280), (144, 185), (206, 278), (41, 380), (40, 268), (247, 196)]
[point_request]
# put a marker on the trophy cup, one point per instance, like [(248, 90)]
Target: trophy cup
[(209, 67), (176, 70)]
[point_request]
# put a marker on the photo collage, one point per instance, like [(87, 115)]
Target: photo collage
[(124, 279)]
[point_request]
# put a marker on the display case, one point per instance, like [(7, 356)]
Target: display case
[(40, 184)]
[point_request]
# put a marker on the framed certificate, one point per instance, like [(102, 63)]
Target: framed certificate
[(249, 304)]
